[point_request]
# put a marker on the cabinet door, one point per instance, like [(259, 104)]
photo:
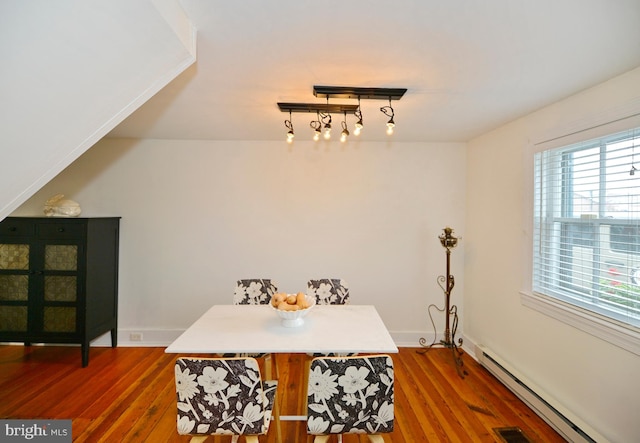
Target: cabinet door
[(60, 288), (14, 287)]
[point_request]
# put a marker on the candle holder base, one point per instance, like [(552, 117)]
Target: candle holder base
[(448, 342)]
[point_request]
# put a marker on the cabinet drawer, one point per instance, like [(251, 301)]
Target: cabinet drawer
[(16, 228), (61, 230)]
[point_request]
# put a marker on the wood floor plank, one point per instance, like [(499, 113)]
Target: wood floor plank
[(108, 385), (446, 382), (439, 397), (119, 416), (414, 412), (128, 395)]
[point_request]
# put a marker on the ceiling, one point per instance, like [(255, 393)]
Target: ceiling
[(469, 66)]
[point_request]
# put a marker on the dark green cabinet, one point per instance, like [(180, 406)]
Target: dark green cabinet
[(59, 280)]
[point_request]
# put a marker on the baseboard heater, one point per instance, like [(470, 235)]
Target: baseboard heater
[(572, 429)]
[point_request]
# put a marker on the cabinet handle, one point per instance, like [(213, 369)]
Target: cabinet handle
[(60, 229)]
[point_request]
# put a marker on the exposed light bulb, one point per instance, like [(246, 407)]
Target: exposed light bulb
[(390, 126), (327, 131), (289, 126), (317, 128), (358, 128), (359, 124), (345, 132)]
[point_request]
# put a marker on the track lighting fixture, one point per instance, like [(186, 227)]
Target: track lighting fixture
[(345, 131), (359, 125), (327, 125), (324, 111), (326, 119), (317, 127), (389, 112), (289, 125)]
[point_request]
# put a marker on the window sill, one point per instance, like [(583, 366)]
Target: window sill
[(626, 338)]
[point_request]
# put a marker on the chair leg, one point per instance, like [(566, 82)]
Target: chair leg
[(305, 383), (198, 438), (267, 367), (375, 438), (252, 439), (234, 438), (321, 439), (275, 415), (274, 364)]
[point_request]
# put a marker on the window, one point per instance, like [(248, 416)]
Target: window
[(586, 223)]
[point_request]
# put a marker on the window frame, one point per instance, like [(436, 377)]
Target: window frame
[(618, 333)]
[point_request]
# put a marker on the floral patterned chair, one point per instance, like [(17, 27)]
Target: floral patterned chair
[(329, 291), (254, 291), (350, 395), (224, 396)]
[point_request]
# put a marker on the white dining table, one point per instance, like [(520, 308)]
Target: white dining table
[(252, 329), (258, 329)]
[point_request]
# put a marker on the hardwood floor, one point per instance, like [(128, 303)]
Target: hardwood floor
[(128, 395)]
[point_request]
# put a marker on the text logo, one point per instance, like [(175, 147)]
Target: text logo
[(40, 431)]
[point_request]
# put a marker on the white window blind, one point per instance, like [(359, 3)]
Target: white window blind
[(587, 225)]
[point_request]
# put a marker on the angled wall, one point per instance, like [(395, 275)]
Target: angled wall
[(73, 70)]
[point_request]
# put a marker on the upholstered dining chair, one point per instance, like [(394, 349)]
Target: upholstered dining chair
[(224, 396), (256, 291), (350, 395), (329, 291)]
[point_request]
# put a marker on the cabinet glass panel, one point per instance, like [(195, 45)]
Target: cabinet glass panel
[(60, 288), (13, 318), (59, 319), (14, 257), (14, 287), (61, 257)]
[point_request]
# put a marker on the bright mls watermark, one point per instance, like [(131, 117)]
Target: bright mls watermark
[(40, 431)]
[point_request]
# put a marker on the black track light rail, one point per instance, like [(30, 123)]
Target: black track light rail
[(326, 108), (359, 93)]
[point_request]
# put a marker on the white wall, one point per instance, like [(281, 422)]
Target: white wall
[(198, 215), (593, 379)]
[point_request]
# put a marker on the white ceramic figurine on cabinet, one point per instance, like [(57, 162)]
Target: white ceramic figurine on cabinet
[(58, 206)]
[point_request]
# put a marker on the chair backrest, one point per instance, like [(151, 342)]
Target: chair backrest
[(254, 291), (222, 396), (350, 395), (329, 291)]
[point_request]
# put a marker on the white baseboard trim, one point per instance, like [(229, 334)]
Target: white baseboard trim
[(140, 338), (565, 422), (161, 338)]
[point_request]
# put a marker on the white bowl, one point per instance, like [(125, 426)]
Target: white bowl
[(291, 319)]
